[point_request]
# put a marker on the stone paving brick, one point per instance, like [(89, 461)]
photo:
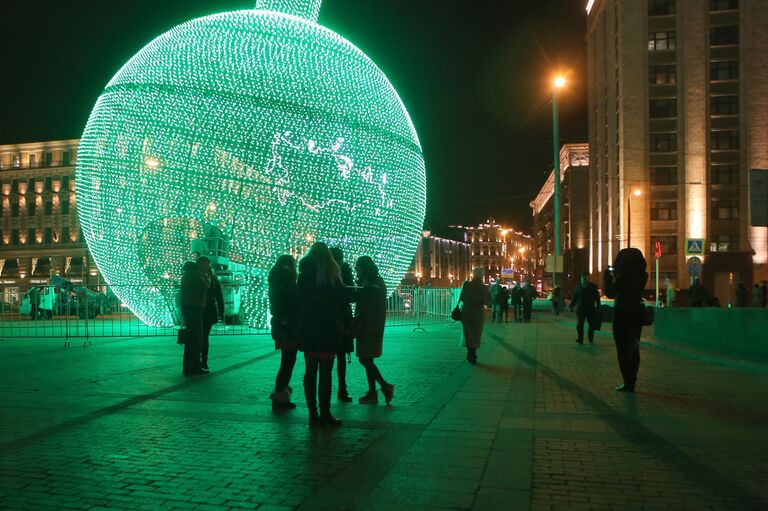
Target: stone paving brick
[(536, 425)]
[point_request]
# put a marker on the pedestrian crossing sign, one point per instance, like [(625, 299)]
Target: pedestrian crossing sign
[(694, 246)]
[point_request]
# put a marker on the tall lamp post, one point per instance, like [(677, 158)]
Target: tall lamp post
[(558, 84), (636, 192)]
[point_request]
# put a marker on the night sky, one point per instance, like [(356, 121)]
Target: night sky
[(474, 76)]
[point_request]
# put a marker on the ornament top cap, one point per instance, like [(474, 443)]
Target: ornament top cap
[(306, 9)]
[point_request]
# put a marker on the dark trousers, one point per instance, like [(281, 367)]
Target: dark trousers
[(314, 392), (287, 362), (518, 311), (372, 374), (581, 317), (627, 341), (472, 354), (207, 325), (34, 313), (193, 319), (341, 371), (527, 308)]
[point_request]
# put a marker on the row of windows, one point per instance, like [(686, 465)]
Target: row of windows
[(718, 36), (720, 173), (718, 105), (32, 208), (669, 7), (47, 236), (721, 210), (719, 243), (723, 140), (46, 161), (666, 74), (31, 184)]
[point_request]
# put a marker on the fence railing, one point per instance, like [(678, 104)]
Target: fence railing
[(85, 312)]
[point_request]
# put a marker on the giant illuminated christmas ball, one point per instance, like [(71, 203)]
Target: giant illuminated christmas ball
[(261, 127)]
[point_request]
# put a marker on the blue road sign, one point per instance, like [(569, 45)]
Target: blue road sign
[(694, 246)]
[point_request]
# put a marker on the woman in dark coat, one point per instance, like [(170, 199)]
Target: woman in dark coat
[(625, 284), (214, 305), (283, 306), (192, 299), (370, 315), (475, 297), (322, 299), (347, 343)]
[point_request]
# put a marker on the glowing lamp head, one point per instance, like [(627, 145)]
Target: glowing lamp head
[(258, 127), (637, 192), (559, 82)]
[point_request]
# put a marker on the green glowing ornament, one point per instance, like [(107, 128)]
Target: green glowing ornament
[(261, 125)]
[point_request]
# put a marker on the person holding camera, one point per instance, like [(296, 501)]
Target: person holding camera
[(625, 282)]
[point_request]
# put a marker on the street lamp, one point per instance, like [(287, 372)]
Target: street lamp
[(637, 193), (558, 84)]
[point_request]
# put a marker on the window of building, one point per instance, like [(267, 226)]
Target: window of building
[(31, 208), (31, 236), (663, 142), (664, 74), (47, 159), (32, 158), (14, 236), (724, 174), (15, 210), (48, 236), (66, 156), (16, 161), (721, 36), (661, 41), (724, 140), (724, 105), (15, 186), (664, 210), (64, 204), (668, 244), (664, 175), (725, 209), (64, 238), (724, 243), (661, 7), (662, 108), (723, 5), (49, 184), (48, 208), (724, 70), (65, 186)]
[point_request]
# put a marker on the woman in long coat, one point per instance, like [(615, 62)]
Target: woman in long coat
[(192, 299), (474, 296), (283, 306), (370, 315), (322, 299)]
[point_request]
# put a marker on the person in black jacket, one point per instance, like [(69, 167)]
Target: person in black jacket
[(370, 316), (516, 298), (625, 284), (322, 300), (283, 306), (192, 299), (347, 343), (529, 294), (586, 300), (214, 305)]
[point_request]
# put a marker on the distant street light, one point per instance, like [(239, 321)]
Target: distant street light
[(558, 84), (637, 192)]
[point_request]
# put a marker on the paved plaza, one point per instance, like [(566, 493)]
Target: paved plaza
[(535, 425)]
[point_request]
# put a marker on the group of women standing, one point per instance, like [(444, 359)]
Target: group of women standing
[(311, 313)]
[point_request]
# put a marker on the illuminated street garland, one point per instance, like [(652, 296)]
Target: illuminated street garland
[(262, 124)]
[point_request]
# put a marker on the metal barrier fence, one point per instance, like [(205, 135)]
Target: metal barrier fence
[(94, 311)]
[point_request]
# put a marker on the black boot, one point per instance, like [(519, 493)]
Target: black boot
[(310, 393)]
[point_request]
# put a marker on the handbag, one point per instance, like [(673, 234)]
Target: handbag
[(181, 336), (647, 317), (606, 314), (595, 319), (456, 313)]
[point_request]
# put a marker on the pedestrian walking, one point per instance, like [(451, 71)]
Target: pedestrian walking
[(502, 304), (757, 296), (586, 301), (625, 284), (494, 293), (370, 315), (671, 294), (558, 304), (322, 300), (214, 306), (34, 303), (516, 299), (347, 343), (528, 294), (283, 305), (474, 297), (192, 299), (697, 294), (742, 294)]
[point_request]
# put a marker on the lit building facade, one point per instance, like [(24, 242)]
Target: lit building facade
[(678, 114), (439, 262), (575, 215), (39, 232), (495, 248)]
